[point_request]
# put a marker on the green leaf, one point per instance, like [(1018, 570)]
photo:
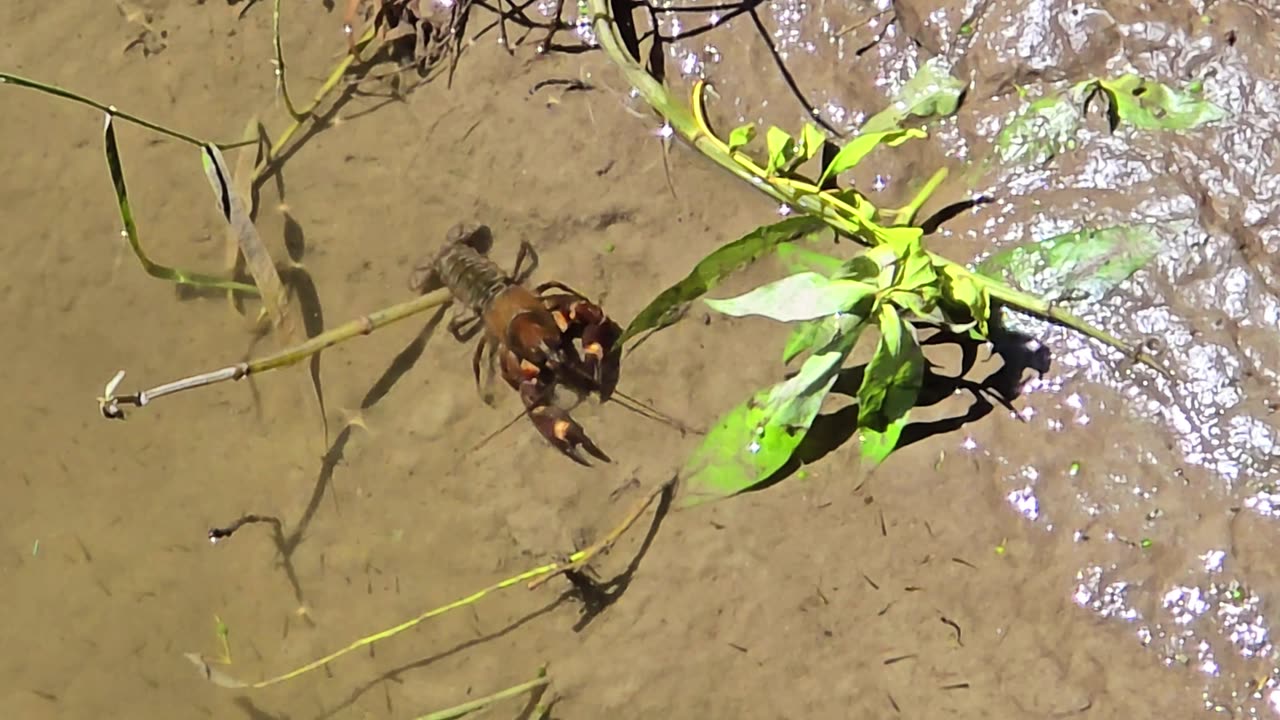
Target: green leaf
[(742, 135), (811, 141), (877, 266), (1041, 132), (876, 446), (858, 148), (816, 334), (959, 289), (800, 259), (1083, 265), (931, 92), (808, 334), (755, 439), (893, 378), (782, 148), (922, 303), (1151, 105), (917, 267), (667, 307), (154, 269), (803, 296), (863, 209)]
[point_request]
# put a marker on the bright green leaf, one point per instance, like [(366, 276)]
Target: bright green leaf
[(1151, 105), (742, 135), (959, 288), (811, 140), (808, 334), (858, 148), (803, 296), (921, 303), (931, 92), (782, 148), (894, 376), (863, 209), (1083, 265), (668, 307), (756, 438), (876, 446)]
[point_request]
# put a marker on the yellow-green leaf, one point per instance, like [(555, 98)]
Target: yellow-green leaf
[(782, 148), (858, 148), (742, 135)]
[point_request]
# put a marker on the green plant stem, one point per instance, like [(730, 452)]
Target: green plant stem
[(682, 122), (465, 708), (284, 87), (301, 116), (109, 109), (906, 214)]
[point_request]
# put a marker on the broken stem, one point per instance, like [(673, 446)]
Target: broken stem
[(109, 404)]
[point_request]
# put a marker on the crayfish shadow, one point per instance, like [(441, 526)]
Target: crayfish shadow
[(1017, 351)]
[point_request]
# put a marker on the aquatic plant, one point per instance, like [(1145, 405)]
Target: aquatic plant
[(895, 285)]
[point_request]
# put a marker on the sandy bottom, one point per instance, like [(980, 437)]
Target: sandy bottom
[(844, 594)]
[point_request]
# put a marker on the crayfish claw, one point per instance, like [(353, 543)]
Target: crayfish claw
[(565, 434)]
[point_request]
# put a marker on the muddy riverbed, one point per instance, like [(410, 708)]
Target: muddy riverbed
[(1103, 551)]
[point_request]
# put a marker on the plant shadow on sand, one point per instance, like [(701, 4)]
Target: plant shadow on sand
[(1017, 351)]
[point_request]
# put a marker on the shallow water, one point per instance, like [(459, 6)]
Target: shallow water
[(1171, 471), (1107, 547)]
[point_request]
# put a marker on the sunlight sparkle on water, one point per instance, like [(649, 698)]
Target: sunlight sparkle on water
[(1025, 502)]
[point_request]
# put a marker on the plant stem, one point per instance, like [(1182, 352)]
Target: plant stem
[(110, 403), (301, 116), (583, 557), (550, 569), (284, 86)]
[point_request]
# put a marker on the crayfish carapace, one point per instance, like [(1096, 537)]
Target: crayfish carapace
[(532, 333)]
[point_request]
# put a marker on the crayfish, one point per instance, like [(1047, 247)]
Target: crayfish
[(532, 333)]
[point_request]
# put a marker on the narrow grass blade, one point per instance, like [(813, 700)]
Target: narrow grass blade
[(235, 211), (175, 275)]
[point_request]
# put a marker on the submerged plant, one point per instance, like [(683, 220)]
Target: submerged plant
[(1047, 126), (895, 286)]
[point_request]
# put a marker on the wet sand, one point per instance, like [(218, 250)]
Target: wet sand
[(842, 594)]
